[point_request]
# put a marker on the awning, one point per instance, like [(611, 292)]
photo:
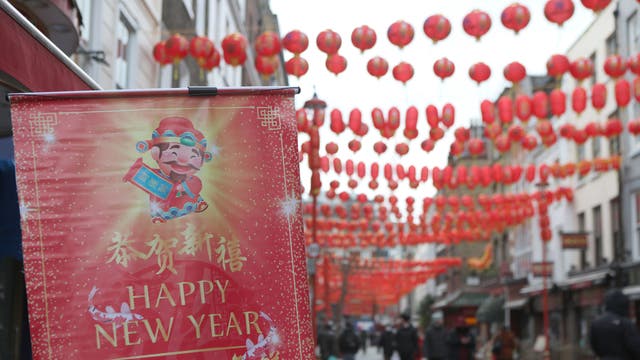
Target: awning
[(633, 292), (515, 304), (584, 280), (33, 60), (461, 299), (491, 310)]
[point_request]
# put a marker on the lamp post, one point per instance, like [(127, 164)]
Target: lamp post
[(316, 106), (545, 292)]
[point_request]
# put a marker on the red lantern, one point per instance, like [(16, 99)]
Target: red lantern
[(593, 129), (579, 100), (379, 147), (515, 17), (476, 147), (516, 132), (529, 142), (337, 124), (329, 42), (200, 47), (505, 109), (336, 63), (634, 64), (613, 128), (634, 127), (402, 149), (540, 104), (295, 42), (598, 96), (558, 101), (544, 127), (355, 120), (377, 67), (595, 5), (436, 133), (523, 107), (502, 143), (545, 234), (492, 130), (266, 65), (437, 27), (448, 115), (515, 72), (558, 11), (488, 112), (296, 66), (331, 148), (636, 88), (354, 145), (212, 61), (557, 65), (160, 53), (549, 139), (580, 136), (622, 92), (268, 44), (176, 48), (581, 69), (443, 68), (234, 47), (462, 134), (476, 23), (403, 72), (400, 33), (615, 66), (428, 145), (479, 72), (567, 130), (363, 38)]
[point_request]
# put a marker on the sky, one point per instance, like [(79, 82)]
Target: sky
[(355, 88)]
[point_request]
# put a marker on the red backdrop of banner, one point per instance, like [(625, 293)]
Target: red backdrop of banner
[(162, 225)]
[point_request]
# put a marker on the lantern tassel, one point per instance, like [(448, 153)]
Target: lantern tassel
[(176, 71)]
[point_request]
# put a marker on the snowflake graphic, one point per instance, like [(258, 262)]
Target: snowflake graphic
[(25, 209), (49, 137), (289, 206)]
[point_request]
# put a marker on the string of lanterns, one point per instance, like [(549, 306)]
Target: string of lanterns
[(400, 33)]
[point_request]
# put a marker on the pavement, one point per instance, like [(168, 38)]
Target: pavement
[(370, 354)]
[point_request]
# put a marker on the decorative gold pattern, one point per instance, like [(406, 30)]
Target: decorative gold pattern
[(269, 116), (42, 123)]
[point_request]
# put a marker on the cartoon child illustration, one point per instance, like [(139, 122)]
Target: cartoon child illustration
[(180, 151)]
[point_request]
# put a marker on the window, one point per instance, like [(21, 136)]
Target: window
[(592, 79), (583, 252), (595, 147), (615, 228), (597, 235), (85, 6), (612, 44), (125, 35), (637, 209)]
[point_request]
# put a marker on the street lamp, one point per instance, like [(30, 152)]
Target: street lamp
[(545, 292), (316, 106)]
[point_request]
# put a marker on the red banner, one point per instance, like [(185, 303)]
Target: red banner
[(542, 269), (162, 225)]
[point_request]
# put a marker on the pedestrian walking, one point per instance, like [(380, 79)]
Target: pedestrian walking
[(612, 335), (436, 345), (462, 342), (349, 342), (327, 341), (504, 344), (406, 339), (387, 342)]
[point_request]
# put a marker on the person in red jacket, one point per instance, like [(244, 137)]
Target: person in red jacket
[(180, 151)]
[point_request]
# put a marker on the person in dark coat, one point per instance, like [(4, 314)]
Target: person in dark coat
[(327, 341), (349, 342), (462, 343), (612, 335), (406, 339), (505, 344), (436, 345), (387, 342)]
